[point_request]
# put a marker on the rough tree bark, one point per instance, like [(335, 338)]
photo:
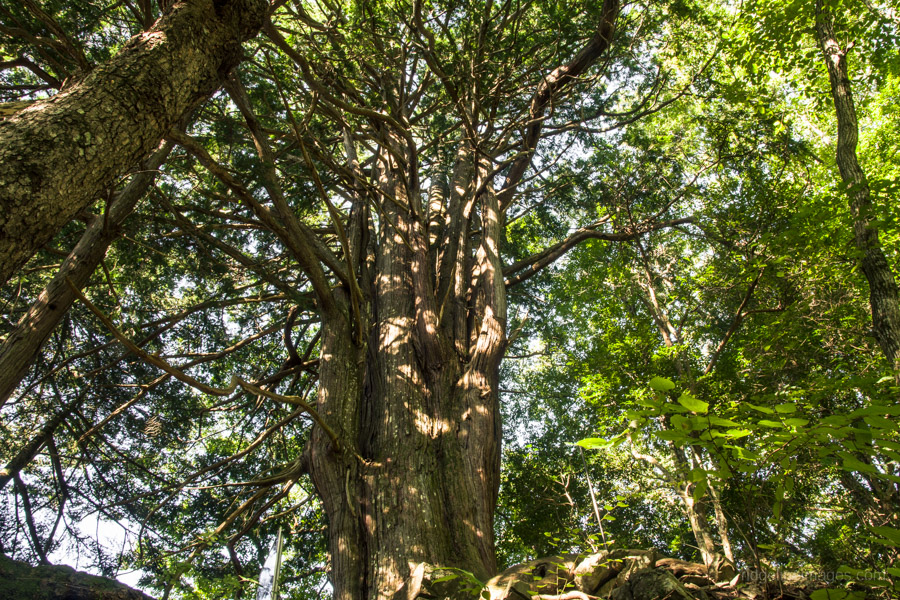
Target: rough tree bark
[(23, 343), (883, 296), (58, 155)]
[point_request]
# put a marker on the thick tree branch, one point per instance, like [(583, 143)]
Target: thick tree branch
[(111, 119), (23, 343), (22, 61), (528, 267), (549, 88)]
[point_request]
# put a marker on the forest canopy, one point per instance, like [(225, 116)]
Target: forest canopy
[(457, 283)]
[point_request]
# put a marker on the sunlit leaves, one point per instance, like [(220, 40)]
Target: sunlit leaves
[(692, 403)]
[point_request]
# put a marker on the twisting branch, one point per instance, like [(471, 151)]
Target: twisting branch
[(668, 476), (22, 61), (373, 115), (528, 267), (199, 385), (735, 323), (242, 259), (356, 296), (174, 489), (428, 47), (299, 245)]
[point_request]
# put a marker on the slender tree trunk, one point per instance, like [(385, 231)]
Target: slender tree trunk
[(883, 296), (23, 343), (721, 521), (695, 508), (58, 155), (699, 520)]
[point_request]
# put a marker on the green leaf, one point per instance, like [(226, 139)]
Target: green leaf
[(723, 422), (593, 443), (737, 433), (648, 401), (762, 409), (697, 474), (699, 490), (768, 423), (875, 409), (786, 408), (661, 384), (881, 422), (796, 422), (693, 404), (671, 435), (851, 464), (681, 422), (890, 533), (743, 453)]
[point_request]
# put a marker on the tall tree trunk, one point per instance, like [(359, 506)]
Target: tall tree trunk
[(721, 520), (695, 509), (23, 343), (418, 477), (58, 155), (883, 296), (413, 328)]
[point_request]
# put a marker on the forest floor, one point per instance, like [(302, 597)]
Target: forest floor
[(615, 575)]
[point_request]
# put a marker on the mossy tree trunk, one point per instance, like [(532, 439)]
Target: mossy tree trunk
[(58, 156)]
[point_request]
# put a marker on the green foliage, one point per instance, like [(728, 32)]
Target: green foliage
[(734, 350)]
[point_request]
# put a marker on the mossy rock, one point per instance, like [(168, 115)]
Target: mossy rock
[(20, 581)]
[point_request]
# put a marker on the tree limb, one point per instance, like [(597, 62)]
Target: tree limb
[(527, 268), (549, 87)]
